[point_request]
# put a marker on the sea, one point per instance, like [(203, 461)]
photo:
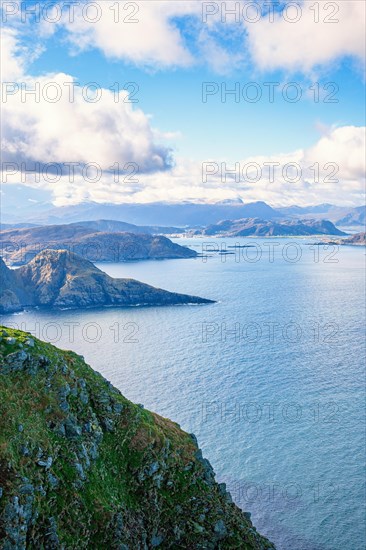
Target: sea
[(270, 377)]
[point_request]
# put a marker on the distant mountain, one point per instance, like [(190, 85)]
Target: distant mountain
[(5, 226), (340, 215), (160, 214), (356, 217), (263, 228), (21, 245), (18, 202), (305, 210), (60, 279)]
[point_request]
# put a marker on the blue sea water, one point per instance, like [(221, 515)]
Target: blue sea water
[(271, 378)]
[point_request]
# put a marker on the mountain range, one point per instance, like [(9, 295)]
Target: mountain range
[(61, 279), (22, 204)]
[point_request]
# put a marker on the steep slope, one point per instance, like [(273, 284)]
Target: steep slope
[(93, 240), (82, 467), (264, 228), (58, 278)]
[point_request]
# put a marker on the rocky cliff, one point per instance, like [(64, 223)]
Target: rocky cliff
[(61, 279), (82, 467)]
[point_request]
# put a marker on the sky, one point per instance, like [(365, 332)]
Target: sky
[(185, 100)]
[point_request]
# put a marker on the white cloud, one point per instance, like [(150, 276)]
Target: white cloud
[(105, 132), (144, 33), (343, 146), (304, 45), (161, 34)]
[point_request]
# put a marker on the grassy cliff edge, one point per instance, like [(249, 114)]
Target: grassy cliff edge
[(83, 467)]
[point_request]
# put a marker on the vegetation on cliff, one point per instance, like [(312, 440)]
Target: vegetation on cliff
[(83, 467)]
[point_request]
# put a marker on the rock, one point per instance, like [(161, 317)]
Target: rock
[(157, 540), (72, 429), (52, 480), (26, 489), (16, 360), (45, 463), (80, 471), (153, 468), (220, 529), (117, 408), (24, 450)]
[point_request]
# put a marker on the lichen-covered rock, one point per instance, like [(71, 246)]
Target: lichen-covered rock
[(98, 471)]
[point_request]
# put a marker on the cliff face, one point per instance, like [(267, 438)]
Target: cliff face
[(58, 278), (83, 467)]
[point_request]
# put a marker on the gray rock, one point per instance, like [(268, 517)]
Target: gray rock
[(52, 480), (71, 427), (24, 450), (153, 468), (45, 463), (220, 529), (16, 360), (157, 540), (80, 471), (26, 489)]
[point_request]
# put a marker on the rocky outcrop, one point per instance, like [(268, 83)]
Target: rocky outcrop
[(82, 467), (60, 279), (98, 241), (264, 228)]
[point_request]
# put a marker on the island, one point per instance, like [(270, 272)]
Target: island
[(62, 279), (257, 227)]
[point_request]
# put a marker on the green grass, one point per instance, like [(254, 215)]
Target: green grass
[(117, 479)]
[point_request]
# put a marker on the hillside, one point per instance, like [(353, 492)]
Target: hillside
[(82, 467), (60, 279), (264, 228), (100, 241)]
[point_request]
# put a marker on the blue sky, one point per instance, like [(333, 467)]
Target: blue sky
[(169, 54)]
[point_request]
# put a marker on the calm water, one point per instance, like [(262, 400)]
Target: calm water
[(270, 378)]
